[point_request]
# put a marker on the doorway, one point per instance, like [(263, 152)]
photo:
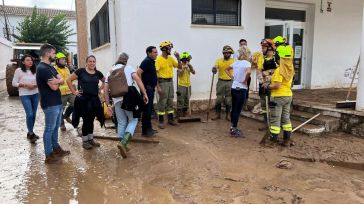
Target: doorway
[(294, 32), (293, 21)]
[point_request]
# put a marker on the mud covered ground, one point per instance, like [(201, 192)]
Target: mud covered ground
[(193, 163), (324, 96)]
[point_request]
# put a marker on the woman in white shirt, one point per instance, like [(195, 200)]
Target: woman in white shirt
[(24, 79), (241, 73)]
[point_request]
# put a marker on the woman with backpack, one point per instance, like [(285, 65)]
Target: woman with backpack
[(24, 79), (87, 103), (126, 99)]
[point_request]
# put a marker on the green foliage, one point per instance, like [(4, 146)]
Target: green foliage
[(39, 28)]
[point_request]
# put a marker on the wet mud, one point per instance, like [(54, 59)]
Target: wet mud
[(192, 163)]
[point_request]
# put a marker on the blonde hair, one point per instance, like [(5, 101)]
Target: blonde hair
[(244, 53)]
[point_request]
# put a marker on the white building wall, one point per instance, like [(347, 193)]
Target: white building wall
[(15, 20), (104, 53), (149, 22), (335, 36), (6, 55), (336, 43)]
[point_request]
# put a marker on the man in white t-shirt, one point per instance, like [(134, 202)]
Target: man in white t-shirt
[(126, 123)]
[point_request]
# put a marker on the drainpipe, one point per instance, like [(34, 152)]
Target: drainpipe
[(112, 26), (360, 86)]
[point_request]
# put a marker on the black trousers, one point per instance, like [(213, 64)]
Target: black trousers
[(238, 99), (148, 110)]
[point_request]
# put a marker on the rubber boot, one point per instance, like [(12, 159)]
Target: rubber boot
[(184, 112), (123, 144), (217, 113), (286, 138), (180, 113), (273, 137), (161, 121), (227, 117), (171, 120)]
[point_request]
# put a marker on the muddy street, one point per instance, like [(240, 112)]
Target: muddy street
[(193, 163)]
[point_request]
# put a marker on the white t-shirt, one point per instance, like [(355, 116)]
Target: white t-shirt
[(240, 69), (24, 77), (128, 70)]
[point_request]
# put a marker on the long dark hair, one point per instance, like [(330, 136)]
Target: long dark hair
[(22, 66)]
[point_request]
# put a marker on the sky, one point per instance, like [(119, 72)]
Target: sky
[(53, 4)]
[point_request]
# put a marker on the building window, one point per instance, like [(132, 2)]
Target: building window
[(99, 26), (216, 12)]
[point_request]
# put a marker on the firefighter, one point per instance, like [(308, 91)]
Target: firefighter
[(266, 65), (164, 65), (224, 83), (281, 93)]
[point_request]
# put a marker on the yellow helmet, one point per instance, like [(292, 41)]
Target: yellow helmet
[(185, 55), (285, 51), (165, 44), (227, 48), (60, 55), (278, 40)]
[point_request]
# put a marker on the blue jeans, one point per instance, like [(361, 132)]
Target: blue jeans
[(30, 104), (126, 122), (148, 109), (53, 116), (238, 99)]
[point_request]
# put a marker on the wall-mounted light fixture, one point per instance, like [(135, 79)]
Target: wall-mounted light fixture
[(328, 9)]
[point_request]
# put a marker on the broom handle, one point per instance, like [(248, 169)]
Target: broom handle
[(298, 127), (352, 80), (189, 101), (208, 107)]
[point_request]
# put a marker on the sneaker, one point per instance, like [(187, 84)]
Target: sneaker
[(51, 159), (94, 143), (87, 145), (235, 132), (29, 135), (122, 149), (59, 152), (32, 138)]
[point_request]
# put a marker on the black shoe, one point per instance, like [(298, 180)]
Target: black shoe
[(29, 135), (148, 133), (32, 138)]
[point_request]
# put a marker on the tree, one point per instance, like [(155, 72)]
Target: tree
[(39, 28)]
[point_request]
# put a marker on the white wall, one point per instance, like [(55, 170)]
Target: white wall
[(149, 22), (337, 40), (15, 20), (6, 55), (103, 54)]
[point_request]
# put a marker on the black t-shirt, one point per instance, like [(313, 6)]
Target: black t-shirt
[(48, 97), (149, 76), (88, 83)]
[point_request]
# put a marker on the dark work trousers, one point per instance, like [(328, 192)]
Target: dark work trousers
[(88, 124), (238, 99), (148, 109), (247, 92)]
